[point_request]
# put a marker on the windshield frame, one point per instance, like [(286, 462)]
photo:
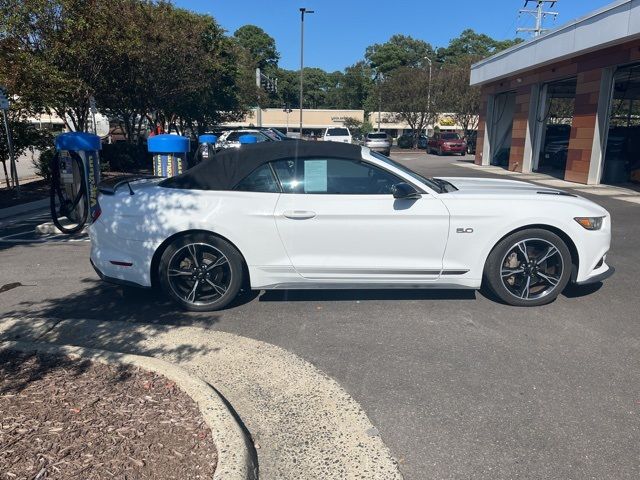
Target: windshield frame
[(433, 185)]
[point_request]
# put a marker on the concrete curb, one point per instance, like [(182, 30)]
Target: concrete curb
[(237, 459), (24, 208)]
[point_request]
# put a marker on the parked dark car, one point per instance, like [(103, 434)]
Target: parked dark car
[(406, 141), (447, 142)]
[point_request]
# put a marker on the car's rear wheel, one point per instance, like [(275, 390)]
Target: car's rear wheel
[(529, 268), (201, 272)]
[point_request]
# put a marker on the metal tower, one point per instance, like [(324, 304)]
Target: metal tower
[(539, 14)]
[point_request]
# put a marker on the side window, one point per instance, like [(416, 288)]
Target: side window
[(286, 172), (260, 180), (334, 176)]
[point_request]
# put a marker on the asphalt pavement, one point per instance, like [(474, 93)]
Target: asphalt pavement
[(458, 386)]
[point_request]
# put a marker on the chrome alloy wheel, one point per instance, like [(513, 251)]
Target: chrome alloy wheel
[(531, 269), (199, 273)]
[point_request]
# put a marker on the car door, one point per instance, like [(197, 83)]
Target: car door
[(338, 220)]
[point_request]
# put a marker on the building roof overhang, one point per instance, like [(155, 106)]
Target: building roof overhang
[(613, 24)]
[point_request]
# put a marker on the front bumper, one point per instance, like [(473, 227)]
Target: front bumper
[(599, 277), (454, 149)]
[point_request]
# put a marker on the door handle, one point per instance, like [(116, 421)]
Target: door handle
[(299, 214)]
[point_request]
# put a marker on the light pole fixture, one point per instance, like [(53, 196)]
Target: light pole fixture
[(302, 13), (429, 89), (378, 80)]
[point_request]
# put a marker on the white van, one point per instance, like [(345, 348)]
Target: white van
[(337, 134)]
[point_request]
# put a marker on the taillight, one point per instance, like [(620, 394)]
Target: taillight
[(96, 213)]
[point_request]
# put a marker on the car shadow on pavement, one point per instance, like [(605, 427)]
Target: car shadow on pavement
[(100, 301), (577, 291), (109, 318), (365, 294)]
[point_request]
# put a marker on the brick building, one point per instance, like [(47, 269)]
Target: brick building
[(567, 102)]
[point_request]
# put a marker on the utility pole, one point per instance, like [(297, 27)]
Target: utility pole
[(302, 12), (378, 81), (539, 14)]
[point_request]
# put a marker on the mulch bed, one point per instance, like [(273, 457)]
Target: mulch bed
[(67, 418)]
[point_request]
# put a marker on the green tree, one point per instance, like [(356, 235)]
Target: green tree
[(356, 86), (472, 44), (406, 93), (399, 51), (143, 61), (455, 95), (23, 133), (260, 45)]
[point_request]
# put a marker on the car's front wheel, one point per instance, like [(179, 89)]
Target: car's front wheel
[(201, 272), (529, 268)]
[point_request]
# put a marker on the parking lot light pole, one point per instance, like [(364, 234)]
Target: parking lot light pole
[(429, 89), (302, 12)]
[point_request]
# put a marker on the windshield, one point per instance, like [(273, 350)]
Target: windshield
[(377, 136), (450, 136), (278, 133), (337, 132), (427, 181)]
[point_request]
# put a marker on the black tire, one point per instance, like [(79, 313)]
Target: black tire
[(526, 287), (217, 285)]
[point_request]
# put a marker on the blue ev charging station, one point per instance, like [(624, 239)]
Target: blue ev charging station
[(75, 175), (206, 148), (169, 154), (247, 139)]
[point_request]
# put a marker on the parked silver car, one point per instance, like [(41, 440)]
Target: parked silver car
[(378, 142)]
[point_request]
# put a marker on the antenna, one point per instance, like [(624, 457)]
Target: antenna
[(539, 14)]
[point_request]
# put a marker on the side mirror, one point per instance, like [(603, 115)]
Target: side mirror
[(405, 191)]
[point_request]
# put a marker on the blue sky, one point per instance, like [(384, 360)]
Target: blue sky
[(338, 33)]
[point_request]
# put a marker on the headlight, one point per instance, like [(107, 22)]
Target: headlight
[(590, 223)]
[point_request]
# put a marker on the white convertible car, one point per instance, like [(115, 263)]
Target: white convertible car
[(300, 215)]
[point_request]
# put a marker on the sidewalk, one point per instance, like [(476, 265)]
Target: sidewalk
[(303, 424)]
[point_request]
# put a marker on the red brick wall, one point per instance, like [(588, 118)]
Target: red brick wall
[(519, 131), (583, 126)]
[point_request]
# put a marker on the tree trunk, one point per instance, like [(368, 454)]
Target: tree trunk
[(6, 174)]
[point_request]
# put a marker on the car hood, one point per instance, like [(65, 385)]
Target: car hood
[(488, 184), (504, 190), (500, 187)]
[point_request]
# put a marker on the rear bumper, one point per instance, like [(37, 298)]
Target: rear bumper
[(114, 280), (379, 148), (118, 260)]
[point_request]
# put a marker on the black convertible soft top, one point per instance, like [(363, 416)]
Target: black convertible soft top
[(226, 168)]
